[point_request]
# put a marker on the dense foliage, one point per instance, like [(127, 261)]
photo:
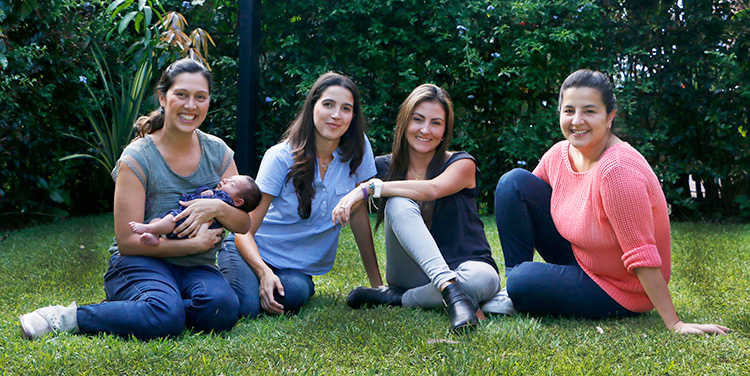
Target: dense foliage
[(680, 72), (44, 70)]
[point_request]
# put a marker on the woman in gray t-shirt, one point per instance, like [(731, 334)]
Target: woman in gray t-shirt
[(158, 290)]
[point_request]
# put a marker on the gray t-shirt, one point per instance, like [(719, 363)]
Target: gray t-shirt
[(164, 187)]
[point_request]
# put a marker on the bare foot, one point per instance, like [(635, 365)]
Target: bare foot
[(148, 238), (138, 228)]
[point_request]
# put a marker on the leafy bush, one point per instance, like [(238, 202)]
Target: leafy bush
[(503, 63), (40, 86), (680, 72)]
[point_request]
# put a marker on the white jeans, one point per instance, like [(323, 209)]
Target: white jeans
[(414, 262)]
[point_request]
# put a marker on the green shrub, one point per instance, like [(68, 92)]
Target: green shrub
[(40, 87), (684, 107), (503, 63)]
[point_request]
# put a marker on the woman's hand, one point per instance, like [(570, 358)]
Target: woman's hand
[(206, 238), (268, 283), (343, 210), (690, 328), (656, 288), (196, 212)]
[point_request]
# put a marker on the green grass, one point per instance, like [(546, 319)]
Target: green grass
[(59, 263)]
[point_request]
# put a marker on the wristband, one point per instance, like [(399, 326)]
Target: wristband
[(377, 186), (364, 191)]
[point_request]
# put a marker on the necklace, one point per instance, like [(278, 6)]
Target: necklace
[(418, 174), (324, 166)]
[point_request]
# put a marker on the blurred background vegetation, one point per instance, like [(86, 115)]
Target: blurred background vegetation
[(680, 67)]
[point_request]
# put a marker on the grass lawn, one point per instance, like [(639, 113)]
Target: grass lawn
[(59, 263)]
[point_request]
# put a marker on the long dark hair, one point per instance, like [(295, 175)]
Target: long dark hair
[(155, 120), (400, 148), (301, 138), (594, 80)]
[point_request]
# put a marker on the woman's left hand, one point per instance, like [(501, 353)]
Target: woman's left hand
[(343, 210), (690, 328), (196, 213)]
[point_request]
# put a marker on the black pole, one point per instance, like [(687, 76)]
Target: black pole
[(247, 86)]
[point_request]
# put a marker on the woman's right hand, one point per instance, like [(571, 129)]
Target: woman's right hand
[(343, 210), (268, 283), (206, 238)]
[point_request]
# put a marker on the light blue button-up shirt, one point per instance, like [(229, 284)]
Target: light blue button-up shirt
[(285, 240)]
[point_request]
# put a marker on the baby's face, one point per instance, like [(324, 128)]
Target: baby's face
[(234, 185)]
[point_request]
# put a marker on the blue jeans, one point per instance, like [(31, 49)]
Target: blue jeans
[(298, 286), (558, 287), (149, 298)]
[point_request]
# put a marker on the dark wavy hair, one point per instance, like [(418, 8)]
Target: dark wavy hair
[(301, 138), (594, 80), (155, 120), (400, 148)]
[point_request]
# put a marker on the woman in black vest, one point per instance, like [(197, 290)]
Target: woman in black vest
[(436, 250)]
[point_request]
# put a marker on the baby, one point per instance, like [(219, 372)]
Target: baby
[(239, 191)]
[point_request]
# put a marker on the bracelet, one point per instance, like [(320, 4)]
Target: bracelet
[(364, 191), (377, 186)]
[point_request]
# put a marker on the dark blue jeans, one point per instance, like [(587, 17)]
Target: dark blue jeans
[(298, 286), (149, 298), (558, 287)]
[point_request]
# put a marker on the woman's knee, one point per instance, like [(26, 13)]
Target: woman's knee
[(217, 311), (399, 207), (478, 279), (508, 183), (298, 289)]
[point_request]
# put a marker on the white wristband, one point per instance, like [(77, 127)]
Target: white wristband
[(377, 186)]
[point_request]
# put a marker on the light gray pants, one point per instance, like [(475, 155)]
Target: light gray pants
[(414, 262)]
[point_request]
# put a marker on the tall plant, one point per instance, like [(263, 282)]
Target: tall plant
[(166, 38), (164, 41), (112, 134)]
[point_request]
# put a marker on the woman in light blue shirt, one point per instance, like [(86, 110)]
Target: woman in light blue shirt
[(324, 154)]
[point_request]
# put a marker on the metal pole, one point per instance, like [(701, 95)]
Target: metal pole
[(247, 87)]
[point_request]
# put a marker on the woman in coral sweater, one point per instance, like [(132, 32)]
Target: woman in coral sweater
[(594, 210)]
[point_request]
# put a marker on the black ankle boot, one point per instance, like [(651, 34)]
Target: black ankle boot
[(383, 295), (462, 309)]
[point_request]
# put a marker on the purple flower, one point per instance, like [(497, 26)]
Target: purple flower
[(521, 163), (83, 79), (461, 29), (269, 100), (495, 54), (470, 96), (186, 4), (490, 8)]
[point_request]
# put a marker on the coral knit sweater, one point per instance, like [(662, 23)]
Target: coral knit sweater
[(614, 216)]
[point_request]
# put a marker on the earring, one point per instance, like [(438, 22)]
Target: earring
[(442, 139), (162, 110)]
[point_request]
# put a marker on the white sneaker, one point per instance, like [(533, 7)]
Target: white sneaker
[(49, 319), (499, 304)]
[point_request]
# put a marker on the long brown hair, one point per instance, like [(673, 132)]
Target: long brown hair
[(400, 148), (155, 120), (301, 138)]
